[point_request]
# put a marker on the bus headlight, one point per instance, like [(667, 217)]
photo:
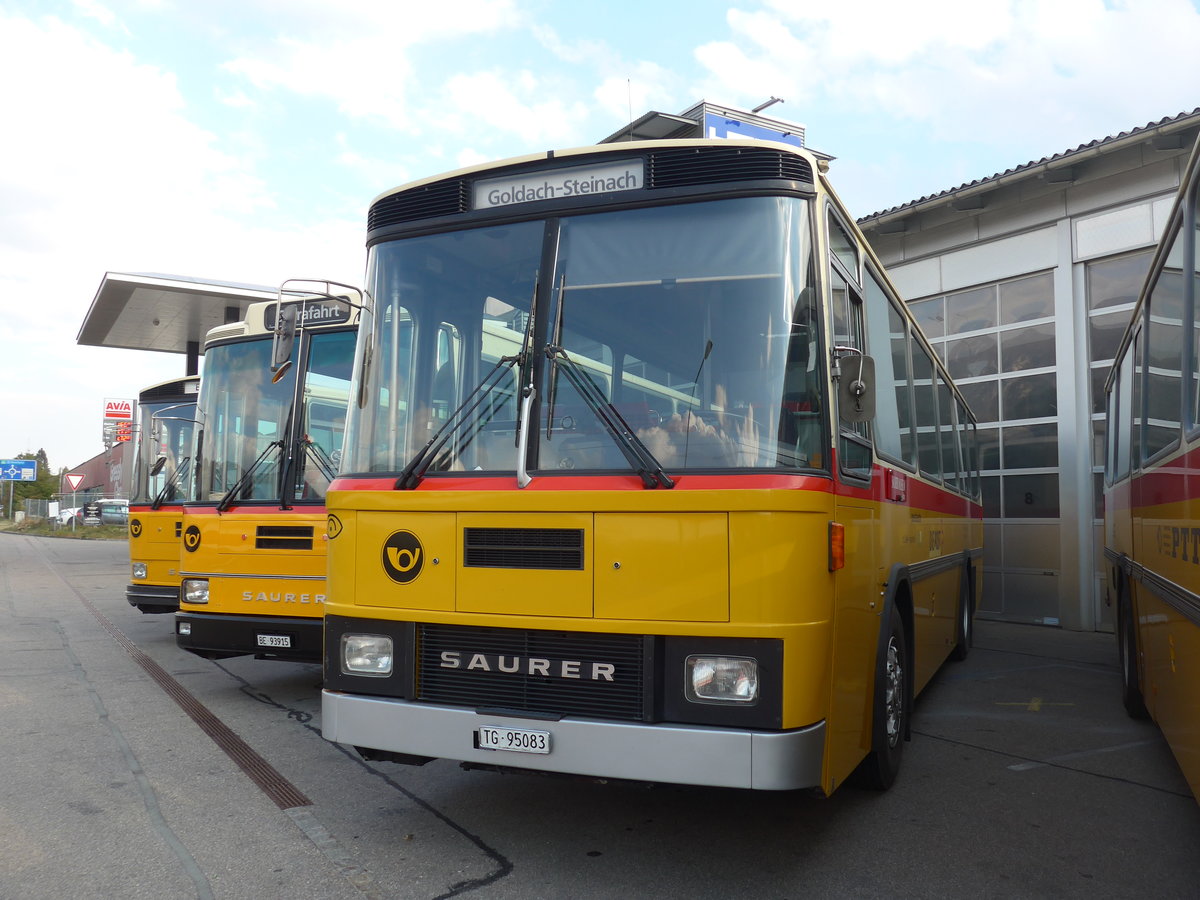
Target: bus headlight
[(366, 654), (195, 590), (139, 571), (721, 679)]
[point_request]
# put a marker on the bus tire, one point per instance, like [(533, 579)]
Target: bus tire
[(964, 635), (1127, 649), (891, 707)]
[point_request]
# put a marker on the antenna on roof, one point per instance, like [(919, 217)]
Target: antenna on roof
[(629, 100), (763, 106)]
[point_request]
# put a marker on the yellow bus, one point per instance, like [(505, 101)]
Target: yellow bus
[(712, 517), (270, 436), (162, 448), (1151, 495)]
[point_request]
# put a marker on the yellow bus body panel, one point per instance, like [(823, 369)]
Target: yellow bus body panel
[(1169, 546), (246, 579), (156, 543)]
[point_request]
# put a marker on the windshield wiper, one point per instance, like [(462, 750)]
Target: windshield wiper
[(241, 483), (320, 457), (638, 454), (169, 487), (412, 474), (419, 464)]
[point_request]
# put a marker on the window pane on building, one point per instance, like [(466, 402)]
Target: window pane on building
[(989, 449), (991, 506), (1111, 282), (1027, 348), (1030, 496), (931, 316), (1029, 397), (1105, 332), (972, 357), (1026, 299), (1031, 446), (971, 310), (1099, 377), (984, 399)]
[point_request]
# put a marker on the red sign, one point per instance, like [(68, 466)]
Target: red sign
[(124, 431), (118, 409), (73, 481)]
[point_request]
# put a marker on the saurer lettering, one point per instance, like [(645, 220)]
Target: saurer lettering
[(528, 665)]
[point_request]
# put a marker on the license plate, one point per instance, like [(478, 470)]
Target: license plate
[(274, 640), (522, 740)]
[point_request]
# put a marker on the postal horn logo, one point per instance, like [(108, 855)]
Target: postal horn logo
[(403, 556), (333, 526), (191, 538), (135, 527)]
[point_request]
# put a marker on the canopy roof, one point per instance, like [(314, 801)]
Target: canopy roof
[(163, 312)]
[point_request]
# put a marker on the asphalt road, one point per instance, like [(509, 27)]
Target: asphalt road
[(1024, 779)]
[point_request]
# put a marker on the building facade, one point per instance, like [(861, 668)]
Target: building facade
[(1025, 282)]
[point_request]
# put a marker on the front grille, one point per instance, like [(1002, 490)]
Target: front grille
[(523, 548), (477, 682), (710, 165), (441, 198), (284, 537)]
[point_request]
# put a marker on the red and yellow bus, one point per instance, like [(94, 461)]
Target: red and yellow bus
[(649, 474), (1152, 492), (162, 481), (270, 436)]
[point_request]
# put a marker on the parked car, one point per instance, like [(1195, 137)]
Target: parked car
[(66, 515), (106, 512), (115, 513)]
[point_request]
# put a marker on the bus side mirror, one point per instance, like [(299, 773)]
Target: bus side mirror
[(283, 341), (158, 466), (856, 388)]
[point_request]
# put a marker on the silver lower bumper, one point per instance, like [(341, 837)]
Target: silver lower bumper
[(682, 754)]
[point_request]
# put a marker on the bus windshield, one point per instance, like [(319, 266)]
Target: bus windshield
[(164, 432), (696, 323), (247, 437), (244, 418)]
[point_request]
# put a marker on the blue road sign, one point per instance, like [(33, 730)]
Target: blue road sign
[(18, 470)]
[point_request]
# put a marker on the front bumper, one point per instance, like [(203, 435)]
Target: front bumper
[(218, 636), (680, 754)]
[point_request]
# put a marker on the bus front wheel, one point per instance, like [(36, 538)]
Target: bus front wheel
[(891, 710)]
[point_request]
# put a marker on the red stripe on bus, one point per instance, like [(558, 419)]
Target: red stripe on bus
[(762, 482)]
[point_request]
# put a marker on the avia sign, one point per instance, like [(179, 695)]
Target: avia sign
[(118, 409)]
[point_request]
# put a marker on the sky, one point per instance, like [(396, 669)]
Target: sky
[(243, 140)]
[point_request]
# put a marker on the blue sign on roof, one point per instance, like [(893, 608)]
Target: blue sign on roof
[(18, 470), (719, 126)]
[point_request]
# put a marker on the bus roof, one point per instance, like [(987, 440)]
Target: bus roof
[(816, 160)]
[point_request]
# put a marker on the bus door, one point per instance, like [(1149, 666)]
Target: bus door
[(858, 603)]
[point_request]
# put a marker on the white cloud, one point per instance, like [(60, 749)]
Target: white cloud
[(512, 103), (1013, 79), (110, 174), (356, 54)]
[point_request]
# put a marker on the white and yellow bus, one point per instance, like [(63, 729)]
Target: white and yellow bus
[(712, 517), (162, 448), (1152, 495), (253, 537)]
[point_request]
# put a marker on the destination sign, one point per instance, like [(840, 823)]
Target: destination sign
[(313, 312), (560, 184)]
